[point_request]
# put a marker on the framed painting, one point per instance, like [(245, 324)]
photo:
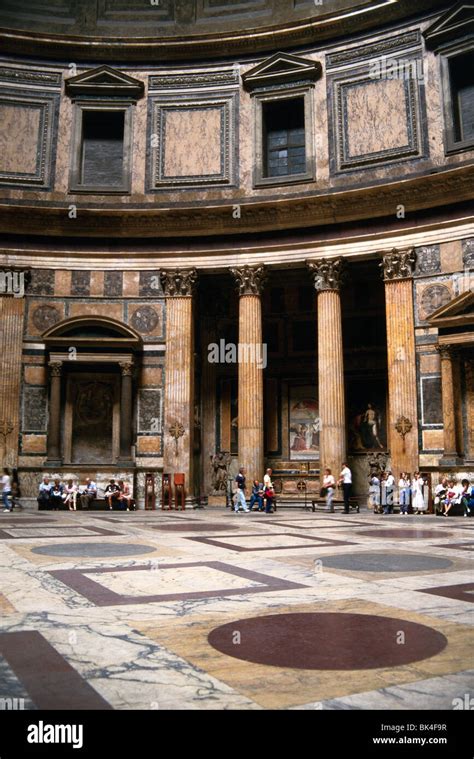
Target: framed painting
[(367, 416), (303, 427)]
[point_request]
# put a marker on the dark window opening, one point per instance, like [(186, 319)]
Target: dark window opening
[(284, 138), (102, 148), (461, 74)]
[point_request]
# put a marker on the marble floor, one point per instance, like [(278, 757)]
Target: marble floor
[(212, 610)]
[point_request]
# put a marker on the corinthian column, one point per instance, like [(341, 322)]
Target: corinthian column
[(397, 269), (178, 286), (54, 428), (126, 414), (451, 454), (328, 274), (250, 281)]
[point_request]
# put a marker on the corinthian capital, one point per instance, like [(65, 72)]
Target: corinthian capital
[(249, 279), (55, 368), (398, 264), (178, 283), (327, 273)]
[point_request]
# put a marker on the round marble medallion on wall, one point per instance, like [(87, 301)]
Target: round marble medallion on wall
[(327, 641), (45, 316), (144, 319), (433, 297)]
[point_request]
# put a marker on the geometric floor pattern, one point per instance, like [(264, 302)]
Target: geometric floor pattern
[(211, 610)]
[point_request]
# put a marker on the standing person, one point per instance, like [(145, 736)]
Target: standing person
[(404, 493), (44, 493), (111, 493), (70, 495), (240, 491), (56, 495), (387, 483), (88, 494), (345, 478), (418, 498), (329, 485), (7, 490), (374, 492)]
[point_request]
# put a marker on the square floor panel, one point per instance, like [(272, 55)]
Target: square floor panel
[(97, 587), (65, 531), (271, 541)]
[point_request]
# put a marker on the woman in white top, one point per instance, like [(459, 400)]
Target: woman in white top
[(404, 493), (6, 490), (70, 495), (329, 484), (418, 498), (374, 493)]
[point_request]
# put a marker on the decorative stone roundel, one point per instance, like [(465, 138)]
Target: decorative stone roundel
[(434, 297), (45, 316), (144, 319)]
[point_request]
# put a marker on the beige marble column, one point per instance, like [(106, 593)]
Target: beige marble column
[(451, 453), (11, 342), (125, 456), (178, 286), (328, 277), (208, 406), (250, 280), (397, 267), (54, 423)]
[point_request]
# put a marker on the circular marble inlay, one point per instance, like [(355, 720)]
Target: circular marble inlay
[(327, 640), (93, 550), (45, 316), (202, 527), (144, 319), (385, 562), (403, 534)]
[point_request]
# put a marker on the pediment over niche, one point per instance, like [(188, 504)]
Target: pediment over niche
[(281, 68), (456, 23), (104, 81), (459, 312)]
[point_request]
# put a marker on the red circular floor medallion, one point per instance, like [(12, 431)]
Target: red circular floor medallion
[(325, 640)]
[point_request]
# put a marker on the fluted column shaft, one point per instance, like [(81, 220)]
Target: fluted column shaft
[(126, 413), (208, 416), (401, 357), (54, 428), (449, 419), (332, 410), (179, 375), (250, 396), (11, 344)]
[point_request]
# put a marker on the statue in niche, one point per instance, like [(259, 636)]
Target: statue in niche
[(220, 463)]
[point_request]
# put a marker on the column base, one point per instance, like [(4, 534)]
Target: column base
[(125, 461), (53, 462), (450, 459)]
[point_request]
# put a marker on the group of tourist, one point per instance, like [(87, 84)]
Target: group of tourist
[(262, 497), (382, 493), (55, 495), (449, 493), (328, 488)]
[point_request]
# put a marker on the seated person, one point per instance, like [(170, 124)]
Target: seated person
[(467, 498), (88, 493), (70, 495), (56, 495), (453, 496), (257, 495), (44, 493), (440, 495), (125, 495), (112, 494)]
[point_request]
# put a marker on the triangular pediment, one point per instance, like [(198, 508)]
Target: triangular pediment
[(458, 312), (104, 81), (454, 24), (281, 68)]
